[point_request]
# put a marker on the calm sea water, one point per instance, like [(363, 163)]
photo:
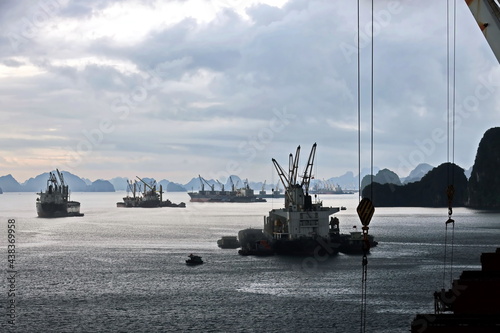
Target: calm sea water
[(123, 270)]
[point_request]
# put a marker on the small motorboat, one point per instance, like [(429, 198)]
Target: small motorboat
[(194, 260)]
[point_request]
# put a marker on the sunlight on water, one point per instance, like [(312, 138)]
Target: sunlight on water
[(119, 269)]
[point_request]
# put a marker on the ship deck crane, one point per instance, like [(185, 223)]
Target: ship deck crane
[(60, 177), (132, 187), (52, 179), (293, 197), (147, 185), (306, 178), (232, 184), (221, 185), (203, 181), (487, 15), (152, 188), (63, 188)]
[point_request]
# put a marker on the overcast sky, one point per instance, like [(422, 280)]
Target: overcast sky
[(173, 89)]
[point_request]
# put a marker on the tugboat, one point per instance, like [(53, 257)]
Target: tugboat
[(259, 248), (302, 226), (244, 194), (194, 260), (54, 202), (228, 242), (353, 243), (254, 242), (151, 198)]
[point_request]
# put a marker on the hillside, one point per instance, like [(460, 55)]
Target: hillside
[(484, 183), (430, 191)]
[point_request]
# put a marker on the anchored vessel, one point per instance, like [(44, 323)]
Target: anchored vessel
[(244, 194), (54, 202), (301, 227), (354, 242), (150, 198), (325, 187), (275, 193)]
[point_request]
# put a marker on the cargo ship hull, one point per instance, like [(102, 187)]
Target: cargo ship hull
[(306, 247), (72, 208)]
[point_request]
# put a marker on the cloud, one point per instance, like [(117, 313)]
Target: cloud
[(224, 81)]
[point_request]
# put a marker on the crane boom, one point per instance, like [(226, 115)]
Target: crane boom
[(487, 15), (146, 184), (293, 177), (281, 173), (203, 180), (284, 179), (61, 178), (306, 179)]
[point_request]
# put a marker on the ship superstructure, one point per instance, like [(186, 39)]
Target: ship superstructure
[(301, 227), (54, 202)]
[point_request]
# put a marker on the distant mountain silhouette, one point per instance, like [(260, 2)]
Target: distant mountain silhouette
[(384, 176), (416, 174), (119, 183), (9, 184), (100, 186), (430, 191), (173, 187), (468, 172), (484, 182), (39, 183), (481, 191), (87, 181)]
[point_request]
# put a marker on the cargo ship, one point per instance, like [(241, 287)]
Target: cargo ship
[(54, 202), (244, 194), (150, 198), (301, 227)]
